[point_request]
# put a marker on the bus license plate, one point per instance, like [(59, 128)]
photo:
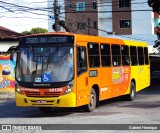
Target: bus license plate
[(41, 101)]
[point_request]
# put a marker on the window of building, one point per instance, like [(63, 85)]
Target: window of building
[(94, 5), (125, 23), (69, 5), (95, 25), (116, 58), (125, 55), (93, 55), (133, 55), (81, 25), (105, 55), (140, 56), (146, 55), (124, 3), (80, 6)]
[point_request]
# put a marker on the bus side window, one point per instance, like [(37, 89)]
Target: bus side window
[(105, 55), (146, 55), (81, 60), (125, 56), (116, 58), (133, 55), (140, 56), (93, 55)]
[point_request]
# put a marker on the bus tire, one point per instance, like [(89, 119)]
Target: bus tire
[(132, 94), (45, 109), (93, 101)]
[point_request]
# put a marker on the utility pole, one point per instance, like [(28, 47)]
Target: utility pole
[(56, 14)]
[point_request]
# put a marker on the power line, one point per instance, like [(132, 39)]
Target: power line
[(107, 11), (83, 13), (24, 17), (25, 9), (124, 36), (43, 9), (103, 4), (75, 22), (22, 7)]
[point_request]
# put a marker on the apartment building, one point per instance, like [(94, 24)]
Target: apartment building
[(81, 16), (105, 17)]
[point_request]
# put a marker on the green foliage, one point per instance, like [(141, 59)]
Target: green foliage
[(155, 4), (25, 32), (35, 31)]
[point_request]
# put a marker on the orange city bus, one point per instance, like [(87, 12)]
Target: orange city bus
[(100, 68)]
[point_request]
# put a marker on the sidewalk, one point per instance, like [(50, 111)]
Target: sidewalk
[(7, 96)]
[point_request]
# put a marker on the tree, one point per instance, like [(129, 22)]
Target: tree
[(35, 31), (25, 32), (155, 4)]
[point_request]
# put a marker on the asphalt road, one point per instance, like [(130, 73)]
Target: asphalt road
[(145, 109)]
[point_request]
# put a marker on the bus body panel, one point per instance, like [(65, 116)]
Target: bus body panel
[(111, 81), (106, 84), (82, 89), (140, 73), (94, 80), (68, 100), (81, 81)]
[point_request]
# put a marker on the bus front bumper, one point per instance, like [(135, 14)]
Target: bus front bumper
[(68, 100)]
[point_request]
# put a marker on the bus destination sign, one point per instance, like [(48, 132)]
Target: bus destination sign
[(47, 39)]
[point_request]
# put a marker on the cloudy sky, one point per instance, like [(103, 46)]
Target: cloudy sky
[(21, 15)]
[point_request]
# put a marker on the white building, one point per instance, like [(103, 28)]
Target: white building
[(129, 19), (8, 38), (134, 20)]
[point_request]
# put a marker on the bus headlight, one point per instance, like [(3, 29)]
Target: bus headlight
[(69, 87), (18, 90)]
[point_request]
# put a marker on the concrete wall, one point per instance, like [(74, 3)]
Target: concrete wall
[(5, 45), (142, 21), (104, 19)]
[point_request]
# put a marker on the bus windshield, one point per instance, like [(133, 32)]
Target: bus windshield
[(45, 64)]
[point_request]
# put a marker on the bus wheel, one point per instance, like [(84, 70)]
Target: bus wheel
[(93, 100), (45, 109), (131, 96)]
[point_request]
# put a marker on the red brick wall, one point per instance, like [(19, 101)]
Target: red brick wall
[(123, 14), (73, 18)]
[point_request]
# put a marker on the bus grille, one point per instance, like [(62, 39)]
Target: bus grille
[(44, 94)]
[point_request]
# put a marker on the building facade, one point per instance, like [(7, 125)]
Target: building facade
[(106, 17), (128, 17), (8, 38), (81, 16)]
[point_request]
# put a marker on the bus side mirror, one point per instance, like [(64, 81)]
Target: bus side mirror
[(13, 53), (13, 56)]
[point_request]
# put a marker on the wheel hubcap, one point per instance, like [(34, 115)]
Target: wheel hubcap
[(132, 92), (92, 102)]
